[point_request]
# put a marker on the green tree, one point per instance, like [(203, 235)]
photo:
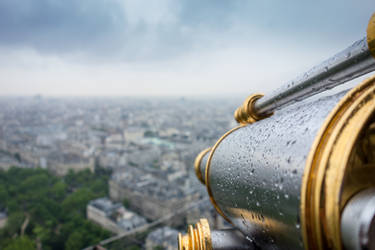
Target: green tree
[(77, 201), (75, 241), (21, 243), (59, 190), (3, 195), (56, 207), (14, 223)]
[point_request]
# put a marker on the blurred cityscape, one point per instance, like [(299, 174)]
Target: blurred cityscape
[(146, 147)]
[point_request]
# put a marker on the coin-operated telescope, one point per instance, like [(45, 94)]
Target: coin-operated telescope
[(296, 173)]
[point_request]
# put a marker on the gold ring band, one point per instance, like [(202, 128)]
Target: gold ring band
[(371, 35), (207, 173), (197, 164), (245, 114), (329, 178)]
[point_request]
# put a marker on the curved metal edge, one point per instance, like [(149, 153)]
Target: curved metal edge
[(246, 114), (197, 164), (313, 180), (371, 35), (252, 112), (207, 173)]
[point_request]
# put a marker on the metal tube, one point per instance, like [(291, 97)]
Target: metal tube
[(255, 173), (353, 62), (283, 181), (358, 221)]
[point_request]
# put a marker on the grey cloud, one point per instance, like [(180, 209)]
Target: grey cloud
[(59, 25), (102, 29)]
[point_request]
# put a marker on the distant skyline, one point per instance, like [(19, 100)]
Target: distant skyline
[(167, 47)]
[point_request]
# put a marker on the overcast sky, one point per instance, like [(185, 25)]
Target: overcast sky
[(169, 47)]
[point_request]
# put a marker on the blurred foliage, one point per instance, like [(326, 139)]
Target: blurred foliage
[(21, 243), (51, 209)]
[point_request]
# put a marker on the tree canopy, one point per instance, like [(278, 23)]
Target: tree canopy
[(49, 211)]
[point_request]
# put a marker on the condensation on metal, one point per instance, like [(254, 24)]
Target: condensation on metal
[(353, 62), (256, 173)]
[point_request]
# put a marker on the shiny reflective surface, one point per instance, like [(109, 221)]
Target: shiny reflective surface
[(256, 173)]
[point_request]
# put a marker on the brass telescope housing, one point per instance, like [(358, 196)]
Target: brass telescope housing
[(298, 175)]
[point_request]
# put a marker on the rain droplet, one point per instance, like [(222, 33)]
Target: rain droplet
[(289, 159), (249, 239)]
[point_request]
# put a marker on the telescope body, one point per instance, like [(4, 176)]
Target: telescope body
[(285, 180), (256, 173), (297, 173)]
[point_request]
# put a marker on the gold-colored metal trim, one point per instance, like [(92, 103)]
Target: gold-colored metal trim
[(245, 114), (207, 173), (198, 238), (371, 35), (324, 190), (197, 164)]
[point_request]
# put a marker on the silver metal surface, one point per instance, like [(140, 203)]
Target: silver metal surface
[(256, 173), (358, 222), (353, 62), (230, 239)]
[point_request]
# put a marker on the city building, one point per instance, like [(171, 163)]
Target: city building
[(113, 216), (61, 162), (150, 196)]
